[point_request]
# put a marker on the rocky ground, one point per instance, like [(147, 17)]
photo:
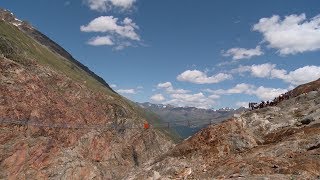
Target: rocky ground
[(281, 142), (58, 119), (40, 95)]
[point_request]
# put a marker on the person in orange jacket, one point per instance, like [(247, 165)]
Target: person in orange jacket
[(146, 125)]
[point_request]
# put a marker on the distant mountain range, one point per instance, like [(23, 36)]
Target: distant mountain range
[(188, 120), (274, 142)]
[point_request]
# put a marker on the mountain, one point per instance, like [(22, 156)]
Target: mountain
[(274, 142), (59, 120), (28, 29), (186, 121)]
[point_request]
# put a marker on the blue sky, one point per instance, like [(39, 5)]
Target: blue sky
[(208, 54)]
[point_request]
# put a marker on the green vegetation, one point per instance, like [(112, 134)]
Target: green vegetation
[(17, 46)]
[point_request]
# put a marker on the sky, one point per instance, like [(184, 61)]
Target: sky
[(205, 54)]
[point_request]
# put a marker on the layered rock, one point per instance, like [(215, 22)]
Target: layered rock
[(281, 142), (58, 121)]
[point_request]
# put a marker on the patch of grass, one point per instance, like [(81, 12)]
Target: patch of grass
[(18, 46)]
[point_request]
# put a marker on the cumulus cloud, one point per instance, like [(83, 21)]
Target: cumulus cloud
[(157, 98), (169, 88), (268, 93), (198, 77), (101, 40), (259, 70), (164, 85), (127, 91), (291, 35), (110, 24), (121, 34), (302, 75), (242, 53), (296, 77), (106, 5), (242, 104), (262, 70), (261, 92), (182, 97), (198, 100), (214, 96), (242, 88), (113, 85)]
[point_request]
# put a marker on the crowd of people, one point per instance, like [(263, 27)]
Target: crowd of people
[(274, 102)]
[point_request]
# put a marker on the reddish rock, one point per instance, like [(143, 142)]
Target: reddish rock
[(68, 132)]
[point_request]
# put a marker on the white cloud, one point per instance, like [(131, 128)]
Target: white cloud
[(169, 88), (110, 24), (101, 40), (198, 77), (262, 70), (176, 91), (157, 98), (291, 35), (120, 34), (214, 96), (198, 100), (164, 85), (296, 77), (241, 69), (268, 93), (126, 4), (238, 89), (261, 92), (302, 75), (182, 97), (106, 5), (241, 53), (242, 104), (127, 91), (113, 85)]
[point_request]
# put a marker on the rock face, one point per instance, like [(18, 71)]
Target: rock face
[(58, 121), (281, 142)]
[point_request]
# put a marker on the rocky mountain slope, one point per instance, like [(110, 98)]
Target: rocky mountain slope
[(275, 142), (58, 120), (189, 120), (28, 29)]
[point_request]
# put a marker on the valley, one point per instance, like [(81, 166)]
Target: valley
[(121, 111)]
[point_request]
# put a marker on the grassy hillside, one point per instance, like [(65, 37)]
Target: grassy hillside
[(16, 45)]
